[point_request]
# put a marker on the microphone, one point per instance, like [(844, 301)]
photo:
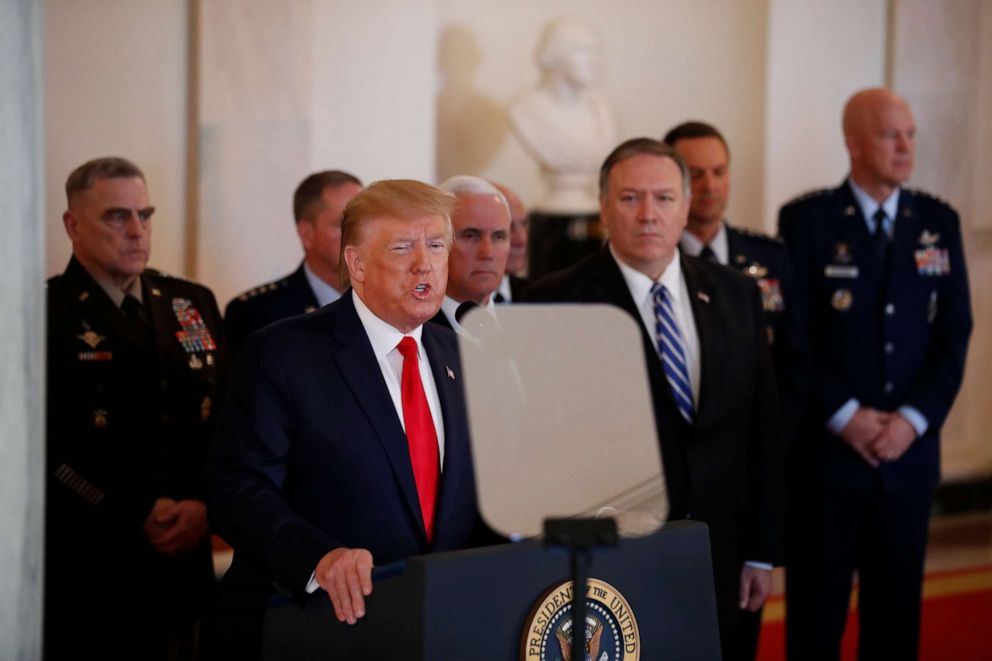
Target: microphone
[(463, 309)]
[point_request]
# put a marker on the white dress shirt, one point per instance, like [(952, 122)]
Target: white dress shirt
[(640, 290), (504, 289), (691, 245)]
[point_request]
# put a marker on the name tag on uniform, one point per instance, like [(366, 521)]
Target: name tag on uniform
[(838, 271), (95, 355)]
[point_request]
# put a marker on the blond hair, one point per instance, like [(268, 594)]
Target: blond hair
[(394, 198)]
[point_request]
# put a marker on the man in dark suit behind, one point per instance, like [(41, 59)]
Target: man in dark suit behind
[(318, 204), (512, 286), (329, 460), (708, 234), (136, 365), (713, 390), (481, 223), (882, 270)]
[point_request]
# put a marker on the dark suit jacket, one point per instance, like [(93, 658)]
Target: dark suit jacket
[(886, 338), (129, 417), (442, 320), (262, 305), (725, 469), (767, 261), (311, 455), (517, 286)]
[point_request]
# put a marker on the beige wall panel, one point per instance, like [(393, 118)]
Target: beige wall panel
[(663, 62), (941, 63), (115, 84)]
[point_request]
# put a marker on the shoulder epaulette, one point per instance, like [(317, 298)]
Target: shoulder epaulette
[(761, 236), (156, 273), (928, 196), (264, 289), (819, 192)]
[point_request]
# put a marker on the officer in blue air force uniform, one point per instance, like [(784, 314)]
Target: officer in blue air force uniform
[(136, 365), (318, 204), (882, 271)]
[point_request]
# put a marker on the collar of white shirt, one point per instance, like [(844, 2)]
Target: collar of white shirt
[(504, 289), (869, 206), (691, 245), (323, 292), (640, 285), (383, 336)]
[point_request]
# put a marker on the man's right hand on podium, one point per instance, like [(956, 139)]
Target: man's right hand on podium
[(346, 576)]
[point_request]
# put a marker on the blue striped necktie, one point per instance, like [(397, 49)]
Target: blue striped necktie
[(671, 350)]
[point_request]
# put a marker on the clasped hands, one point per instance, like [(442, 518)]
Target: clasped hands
[(175, 527), (878, 436)]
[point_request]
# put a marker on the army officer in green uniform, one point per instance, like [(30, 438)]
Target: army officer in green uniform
[(136, 361)]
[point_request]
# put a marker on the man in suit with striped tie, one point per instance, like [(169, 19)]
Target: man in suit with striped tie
[(709, 367)]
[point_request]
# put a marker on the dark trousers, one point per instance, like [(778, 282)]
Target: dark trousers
[(834, 532)]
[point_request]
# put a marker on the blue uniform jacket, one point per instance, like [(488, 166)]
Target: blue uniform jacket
[(888, 338)]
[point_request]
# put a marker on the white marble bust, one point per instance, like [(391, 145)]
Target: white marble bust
[(564, 122)]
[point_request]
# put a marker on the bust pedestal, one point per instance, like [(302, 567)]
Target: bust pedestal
[(558, 240)]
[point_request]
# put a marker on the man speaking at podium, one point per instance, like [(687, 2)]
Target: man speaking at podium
[(346, 441)]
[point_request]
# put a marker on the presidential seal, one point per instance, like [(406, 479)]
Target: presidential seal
[(611, 632)]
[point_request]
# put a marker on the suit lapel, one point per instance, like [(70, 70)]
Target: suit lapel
[(701, 295), (361, 372)]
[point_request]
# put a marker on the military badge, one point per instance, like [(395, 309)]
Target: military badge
[(210, 360), (839, 271), (932, 261), (932, 307), (610, 629), (756, 270), (99, 418), (91, 337), (195, 363), (771, 295), (205, 407), (194, 334), (842, 253), (842, 300), (928, 238), (156, 292)]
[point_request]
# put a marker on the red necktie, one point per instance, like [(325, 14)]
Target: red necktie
[(420, 433)]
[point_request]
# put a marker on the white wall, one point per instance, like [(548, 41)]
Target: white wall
[(942, 65), (22, 357), (115, 84), (664, 61), (351, 88), (818, 55)]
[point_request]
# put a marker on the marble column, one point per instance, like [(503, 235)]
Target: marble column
[(22, 332)]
